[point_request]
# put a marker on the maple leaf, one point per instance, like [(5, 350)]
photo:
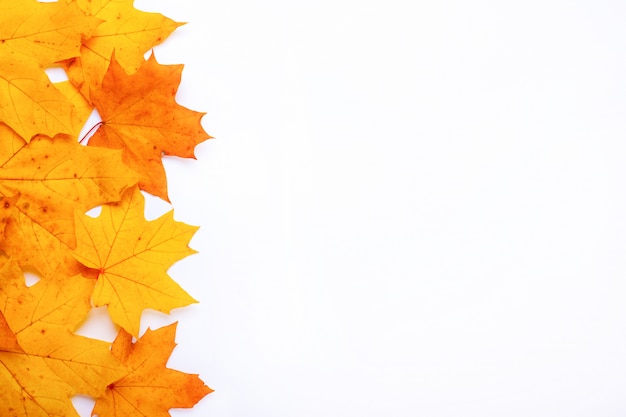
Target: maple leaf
[(51, 301), (33, 36), (140, 116), (149, 388), (128, 31), (48, 181), (30, 104), (52, 179), (42, 364), (132, 256)]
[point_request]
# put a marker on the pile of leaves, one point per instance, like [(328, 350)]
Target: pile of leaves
[(49, 180)]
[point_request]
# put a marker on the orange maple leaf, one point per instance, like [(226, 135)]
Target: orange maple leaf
[(33, 36), (53, 178), (132, 256), (42, 364), (149, 388), (140, 116), (128, 31)]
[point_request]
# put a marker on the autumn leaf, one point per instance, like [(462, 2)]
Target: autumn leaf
[(30, 104), (52, 301), (33, 36), (140, 115), (53, 178), (127, 31), (42, 364), (48, 181), (149, 388), (132, 256)]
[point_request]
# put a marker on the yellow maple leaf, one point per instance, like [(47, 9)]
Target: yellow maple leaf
[(149, 388), (57, 300), (132, 256), (43, 364), (33, 36), (30, 104)]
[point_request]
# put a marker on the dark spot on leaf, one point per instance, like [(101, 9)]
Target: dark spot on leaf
[(90, 273)]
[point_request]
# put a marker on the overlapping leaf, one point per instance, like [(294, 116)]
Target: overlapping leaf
[(48, 180), (140, 115), (132, 256), (33, 36), (127, 31), (42, 364), (146, 360)]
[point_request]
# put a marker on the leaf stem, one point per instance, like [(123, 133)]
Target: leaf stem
[(90, 130)]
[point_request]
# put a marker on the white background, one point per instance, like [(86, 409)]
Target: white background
[(411, 208)]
